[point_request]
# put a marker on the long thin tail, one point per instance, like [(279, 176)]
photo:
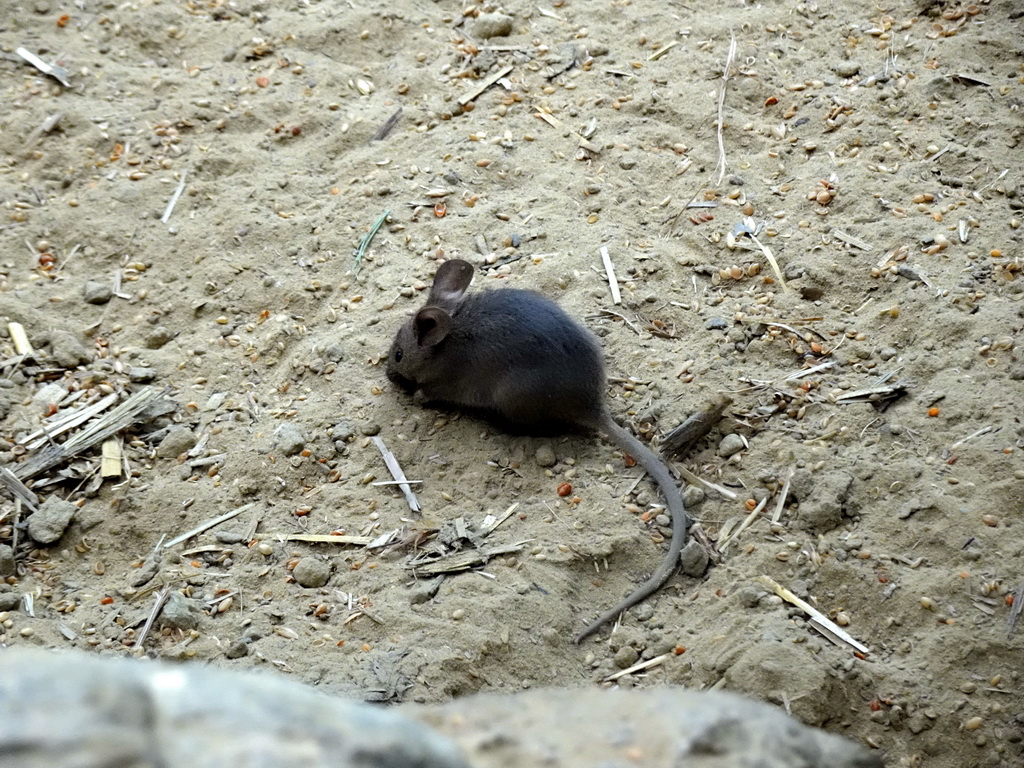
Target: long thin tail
[(659, 471)]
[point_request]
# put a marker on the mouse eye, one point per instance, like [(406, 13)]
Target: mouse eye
[(398, 355)]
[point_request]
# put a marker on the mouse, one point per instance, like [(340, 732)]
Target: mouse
[(518, 359)]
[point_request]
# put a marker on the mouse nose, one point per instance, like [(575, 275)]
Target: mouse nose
[(396, 378)]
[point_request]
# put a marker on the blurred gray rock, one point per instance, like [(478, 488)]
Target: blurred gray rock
[(311, 572), (97, 293), (180, 612), (49, 522), (7, 563), (80, 711), (66, 350), (178, 440), (77, 710), (488, 25), (668, 726), (289, 439)]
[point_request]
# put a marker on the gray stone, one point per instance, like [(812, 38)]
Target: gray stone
[(66, 350), (7, 564), (9, 600), (625, 657), (75, 709), (78, 709), (178, 440), (237, 649), (545, 455), (488, 25), (693, 496), (158, 337), (334, 353), (716, 324), (693, 559), (180, 612), (343, 431), (141, 375), (823, 498), (847, 68), (49, 522), (424, 590), (730, 445), (311, 572), (97, 293), (289, 438), (575, 728)]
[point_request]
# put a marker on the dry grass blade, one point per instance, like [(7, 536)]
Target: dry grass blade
[(210, 524), (18, 489), (487, 83), (613, 282), (107, 425), (639, 667), (68, 420), (110, 458), (396, 472), (22, 345), (318, 538), (835, 633), (721, 107), (158, 606), (771, 260), (174, 198), (743, 526)]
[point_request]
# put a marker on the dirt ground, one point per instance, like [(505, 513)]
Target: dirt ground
[(875, 155)]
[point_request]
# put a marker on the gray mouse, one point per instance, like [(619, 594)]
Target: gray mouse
[(517, 358)]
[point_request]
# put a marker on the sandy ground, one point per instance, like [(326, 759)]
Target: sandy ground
[(876, 152)]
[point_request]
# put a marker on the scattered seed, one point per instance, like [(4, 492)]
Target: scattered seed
[(973, 724)]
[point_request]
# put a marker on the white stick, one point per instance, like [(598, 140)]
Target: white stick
[(209, 524), (174, 198), (21, 343), (613, 282), (396, 472)]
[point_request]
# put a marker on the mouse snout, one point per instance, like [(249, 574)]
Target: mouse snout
[(396, 378)]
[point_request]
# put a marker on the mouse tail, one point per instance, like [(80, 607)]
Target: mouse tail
[(659, 472)]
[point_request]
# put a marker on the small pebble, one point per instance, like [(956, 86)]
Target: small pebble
[(311, 572), (177, 441), (97, 293), (237, 649), (180, 612), (730, 445), (49, 522), (158, 337), (626, 657), (545, 455), (693, 560), (139, 375), (289, 438), (66, 350), (488, 25), (7, 563), (344, 431)]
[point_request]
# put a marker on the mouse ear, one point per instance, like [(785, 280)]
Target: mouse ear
[(431, 326), (451, 281)]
